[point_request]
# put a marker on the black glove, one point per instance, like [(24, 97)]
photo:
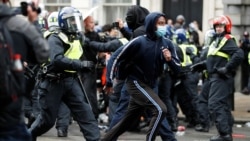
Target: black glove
[(198, 66), (87, 64), (222, 70), (189, 51)]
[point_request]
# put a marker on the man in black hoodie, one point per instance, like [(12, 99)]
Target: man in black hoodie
[(146, 56), (120, 91), (135, 20), (33, 49)]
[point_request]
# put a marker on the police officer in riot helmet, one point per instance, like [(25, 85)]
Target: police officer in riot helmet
[(223, 58), (64, 115), (61, 81)]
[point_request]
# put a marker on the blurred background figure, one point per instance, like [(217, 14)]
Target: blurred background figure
[(179, 22), (245, 46)]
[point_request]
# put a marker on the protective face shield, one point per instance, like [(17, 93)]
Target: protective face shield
[(42, 23), (74, 24), (223, 20), (70, 20), (209, 37), (53, 19)]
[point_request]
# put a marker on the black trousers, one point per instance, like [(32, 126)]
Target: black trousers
[(63, 117), (213, 100), (186, 94), (68, 90), (244, 73), (142, 96), (164, 90)]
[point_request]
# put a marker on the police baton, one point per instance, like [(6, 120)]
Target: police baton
[(83, 89)]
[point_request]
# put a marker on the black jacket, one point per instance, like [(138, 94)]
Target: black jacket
[(144, 55), (236, 56), (33, 49), (94, 46), (58, 60)]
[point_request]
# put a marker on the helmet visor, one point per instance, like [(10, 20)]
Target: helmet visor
[(52, 21), (74, 24)]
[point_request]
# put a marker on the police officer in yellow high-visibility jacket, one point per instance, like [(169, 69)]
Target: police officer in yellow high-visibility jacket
[(60, 81), (223, 58), (186, 92), (64, 115)]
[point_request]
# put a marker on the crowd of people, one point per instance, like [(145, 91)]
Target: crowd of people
[(145, 69)]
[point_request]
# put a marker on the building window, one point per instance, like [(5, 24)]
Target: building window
[(115, 9), (57, 1), (50, 1), (56, 5), (114, 13), (53, 8), (118, 1), (64, 1)]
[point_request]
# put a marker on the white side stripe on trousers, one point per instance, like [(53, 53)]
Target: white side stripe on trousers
[(154, 103)]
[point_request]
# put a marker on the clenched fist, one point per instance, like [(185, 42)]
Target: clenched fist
[(167, 54)]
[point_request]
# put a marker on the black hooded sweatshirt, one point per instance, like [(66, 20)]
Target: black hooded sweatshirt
[(135, 18)]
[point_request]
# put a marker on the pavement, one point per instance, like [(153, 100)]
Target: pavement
[(242, 106), (241, 130)]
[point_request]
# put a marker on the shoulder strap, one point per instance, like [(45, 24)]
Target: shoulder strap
[(63, 37)]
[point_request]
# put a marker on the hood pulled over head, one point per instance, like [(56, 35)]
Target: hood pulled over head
[(150, 23), (135, 16)]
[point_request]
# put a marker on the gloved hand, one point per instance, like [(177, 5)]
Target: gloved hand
[(198, 66), (222, 70), (87, 64), (189, 51)]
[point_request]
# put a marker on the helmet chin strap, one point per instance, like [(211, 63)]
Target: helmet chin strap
[(220, 34)]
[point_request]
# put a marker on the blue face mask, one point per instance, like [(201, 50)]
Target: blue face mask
[(161, 31)]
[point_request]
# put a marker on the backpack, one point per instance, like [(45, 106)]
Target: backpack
[(10, 81)]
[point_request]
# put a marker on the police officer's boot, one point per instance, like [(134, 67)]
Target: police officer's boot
[(173, 122), (38, 127), (202, 128), (62, 132), (227, 137)]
